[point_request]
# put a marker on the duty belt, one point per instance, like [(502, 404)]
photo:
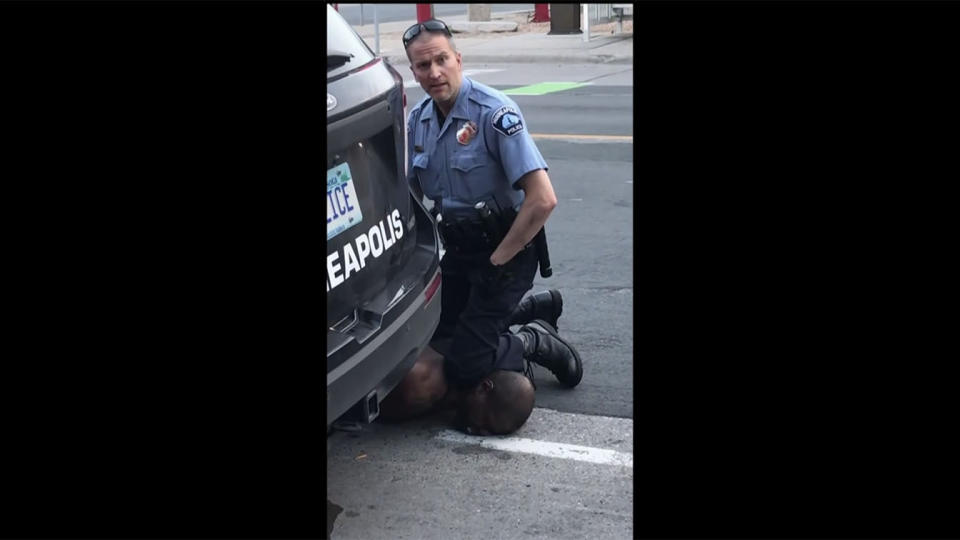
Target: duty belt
[(466, 236), (482, 228)]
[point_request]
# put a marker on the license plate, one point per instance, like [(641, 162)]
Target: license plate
[(343, 205)]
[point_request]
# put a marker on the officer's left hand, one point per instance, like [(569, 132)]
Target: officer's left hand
[(498, 260), (496, 274)]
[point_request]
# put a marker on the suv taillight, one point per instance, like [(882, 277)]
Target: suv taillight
[(432, 288)]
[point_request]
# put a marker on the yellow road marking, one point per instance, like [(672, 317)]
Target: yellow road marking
[(574, 136)]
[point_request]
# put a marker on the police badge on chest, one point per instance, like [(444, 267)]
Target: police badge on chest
[(466, 133)]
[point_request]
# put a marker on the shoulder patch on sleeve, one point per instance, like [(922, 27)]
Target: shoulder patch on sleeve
[(507, 121)]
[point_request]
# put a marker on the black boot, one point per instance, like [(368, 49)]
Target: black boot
[(543, 345), (546, 305)]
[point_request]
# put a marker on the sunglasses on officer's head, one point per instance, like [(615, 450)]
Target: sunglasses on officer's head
[(433, 25)]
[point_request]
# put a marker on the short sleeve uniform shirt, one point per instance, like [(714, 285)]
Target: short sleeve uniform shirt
[(492, 152)]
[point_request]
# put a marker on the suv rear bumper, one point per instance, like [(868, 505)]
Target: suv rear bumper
[(361, 361), (375, 365)]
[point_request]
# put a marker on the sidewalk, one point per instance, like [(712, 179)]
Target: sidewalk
[(529, 44)]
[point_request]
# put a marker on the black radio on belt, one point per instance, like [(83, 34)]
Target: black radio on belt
[(471, 228), (464, 234), (493, 227)]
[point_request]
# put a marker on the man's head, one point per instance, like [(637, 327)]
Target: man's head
[(497, 405), (434, 61)]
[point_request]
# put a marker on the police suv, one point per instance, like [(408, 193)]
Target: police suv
[(383, 274)]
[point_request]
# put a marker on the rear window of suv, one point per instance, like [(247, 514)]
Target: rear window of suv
[(342, 39)]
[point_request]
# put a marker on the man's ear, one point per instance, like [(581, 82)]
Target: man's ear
[(484, 386)]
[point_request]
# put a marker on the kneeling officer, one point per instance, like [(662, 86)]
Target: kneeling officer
[(470, 153)]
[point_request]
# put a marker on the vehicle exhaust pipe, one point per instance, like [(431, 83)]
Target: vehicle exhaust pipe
[(371, 407)]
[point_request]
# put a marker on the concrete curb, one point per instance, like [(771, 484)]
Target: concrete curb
[(485, 26), (531, 48)]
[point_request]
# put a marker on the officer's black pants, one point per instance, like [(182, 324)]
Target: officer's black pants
[(473, 334)]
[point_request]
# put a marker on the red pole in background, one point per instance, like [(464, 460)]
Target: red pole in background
[(336, 7), (541, 12), (424, 12)]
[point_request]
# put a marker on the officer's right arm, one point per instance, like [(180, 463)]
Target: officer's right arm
[(525, 168)]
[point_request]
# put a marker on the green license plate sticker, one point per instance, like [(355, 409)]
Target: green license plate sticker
[(343, 205)]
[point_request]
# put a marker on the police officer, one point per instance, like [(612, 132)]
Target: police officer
[(470, 152)]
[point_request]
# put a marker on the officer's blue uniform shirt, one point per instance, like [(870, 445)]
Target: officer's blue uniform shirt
[(488, 166)]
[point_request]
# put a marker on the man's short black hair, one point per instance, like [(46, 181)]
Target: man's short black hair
[(510, 402)]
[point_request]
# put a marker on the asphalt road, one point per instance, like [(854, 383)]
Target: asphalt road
[(568, 472), (404, 12)]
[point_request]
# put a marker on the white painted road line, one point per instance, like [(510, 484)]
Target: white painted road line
[(542, 448)]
